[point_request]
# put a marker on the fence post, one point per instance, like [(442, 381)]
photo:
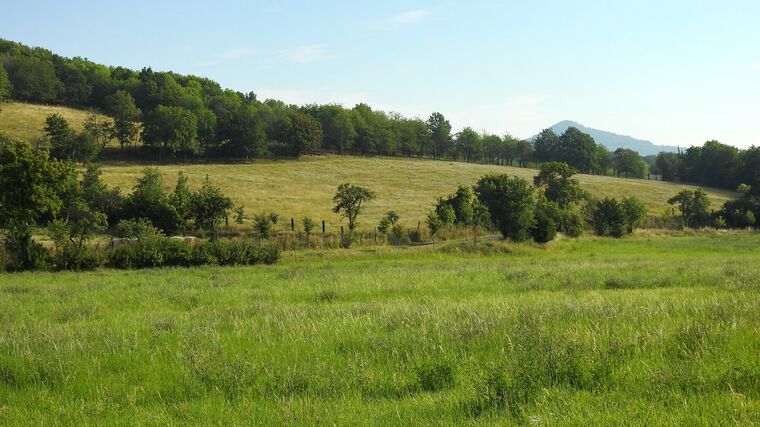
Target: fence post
[(292, 224), (341, 231), (323, 226)]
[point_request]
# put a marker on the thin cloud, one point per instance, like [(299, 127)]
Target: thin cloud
[(410, 17), (229, 55), (239, 53), (752, 66), (307, 54)]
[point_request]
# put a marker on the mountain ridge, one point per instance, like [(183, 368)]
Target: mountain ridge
[(612, 140)]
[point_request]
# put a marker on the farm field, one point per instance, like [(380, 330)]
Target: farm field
[(649, 330), (294, 188)]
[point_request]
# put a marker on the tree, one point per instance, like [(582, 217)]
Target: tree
[(125, 113), (609, 218), (628, 162), (304, 133), (667, 165), (387, 222), (31, 186), (182, 201), (308, 227), (546, 146), (461, 202), (148, 200), (32, 79), (440, 134), (348, 201), (694, 207), (480, 218), (171, 130), (524, 153), (469, 145), (558, 185), (58, 131), (338, 127), (98, 196), (209, 207), (545, 225), (634, 211), (510, 204), (577, 149), (5, 85), (102, 131), (247, 136)]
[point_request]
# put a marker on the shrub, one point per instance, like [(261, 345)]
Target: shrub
[(346, 240), (510, 203), (78, 258), (415, 235), (398, 235), (609, 218), (545, 227), (263, 225), (164, 252)]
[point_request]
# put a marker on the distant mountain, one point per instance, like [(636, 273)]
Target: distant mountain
[(614, 141)]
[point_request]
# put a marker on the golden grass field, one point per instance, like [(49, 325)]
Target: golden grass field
[(295, 188), (25, 122), (304, 187)]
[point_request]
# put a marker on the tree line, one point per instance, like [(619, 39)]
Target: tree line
[(171, 115)]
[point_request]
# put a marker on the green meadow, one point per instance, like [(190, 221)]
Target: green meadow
[(648, 330)]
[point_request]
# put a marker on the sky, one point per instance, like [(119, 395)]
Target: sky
[(673, 72)]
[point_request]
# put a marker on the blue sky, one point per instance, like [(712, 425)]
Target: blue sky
[(673, 72)]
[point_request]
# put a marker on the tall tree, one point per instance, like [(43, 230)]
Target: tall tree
[(348, 201), (5, 85), (171, 130), (304, 133), (125, 113), (440, 134), (546, 146)]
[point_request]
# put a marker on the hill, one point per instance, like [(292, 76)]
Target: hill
[(25, 122), (614, 141), (294, 188)]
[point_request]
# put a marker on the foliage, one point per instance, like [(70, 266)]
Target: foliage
[(140, 229), (348, 202), (694, 207), (617, 218), (555, 178), (510, 202), (208, 207), (148, 200), (263, 225)]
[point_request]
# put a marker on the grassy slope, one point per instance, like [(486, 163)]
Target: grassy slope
[(25, 122), (294, 188), (647, 331)]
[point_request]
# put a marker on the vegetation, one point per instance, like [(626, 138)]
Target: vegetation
[(503, 335)]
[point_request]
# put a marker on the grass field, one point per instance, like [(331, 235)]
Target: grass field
[(25, 122), (649, 330), (294, 188)]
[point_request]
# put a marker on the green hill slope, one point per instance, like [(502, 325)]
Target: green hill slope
[(25, 122), (294, 188)]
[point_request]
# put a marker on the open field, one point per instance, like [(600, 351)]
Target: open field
[(294, 188), (25, 122), (647, 330)]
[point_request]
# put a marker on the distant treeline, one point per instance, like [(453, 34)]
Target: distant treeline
[(174, 115)]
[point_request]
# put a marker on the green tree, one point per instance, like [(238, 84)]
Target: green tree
[(31, 186), (694, 207), (469, 145), (440, 134), (609, 218), (578, 149), (32, 79), (348, 201), (546, 146), (629, 163), (125, 114), (558, 184), (172, 130), (667, 165), (635, 212), (209, 207), (58, 131), (510, 202), (101, 130), (148, 200), (182, 201), (304, 133), (5, 85), (247, 134)]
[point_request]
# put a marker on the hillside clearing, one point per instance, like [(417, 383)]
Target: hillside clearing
[(25, 122)]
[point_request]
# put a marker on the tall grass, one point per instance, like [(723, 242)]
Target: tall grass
[(647, 330)]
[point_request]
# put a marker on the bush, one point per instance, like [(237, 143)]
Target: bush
[(263, 225), (346, 240), (78, 258), (164, 252), (609, 218), (415, 235), (545, 227)]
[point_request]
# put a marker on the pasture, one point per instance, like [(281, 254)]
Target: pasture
[(295, 188), (649, 330)]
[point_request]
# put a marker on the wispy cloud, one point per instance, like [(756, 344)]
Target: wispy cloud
[(307, 54), (410, 17), (240, 52), (229, 55), (752, 66)]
